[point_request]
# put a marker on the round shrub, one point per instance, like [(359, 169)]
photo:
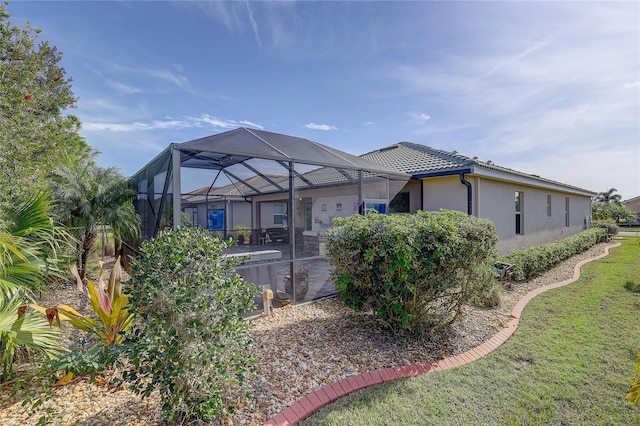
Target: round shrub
[(413, 271)]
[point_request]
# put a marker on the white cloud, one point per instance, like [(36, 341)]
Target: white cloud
[(221, 122), (123, 89), (253, 22), (162, 74), (421, 118), (136, 126), (368, 123), (250, 124), (168, 124), (526, 52), (168, 76), (314, 126)]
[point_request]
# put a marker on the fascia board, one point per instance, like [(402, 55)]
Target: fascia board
[(529, 181)]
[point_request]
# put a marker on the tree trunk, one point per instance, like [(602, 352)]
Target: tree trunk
[(87, 245)]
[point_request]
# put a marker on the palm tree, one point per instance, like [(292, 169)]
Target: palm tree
[(609, 197), (29, 241), (88, 196)]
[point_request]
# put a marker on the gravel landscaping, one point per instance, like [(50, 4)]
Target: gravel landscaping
[(299, 349)]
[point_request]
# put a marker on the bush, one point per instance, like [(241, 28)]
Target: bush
[(610, 226), (490, 297), (191, 342), (412, 270), (533, 261)]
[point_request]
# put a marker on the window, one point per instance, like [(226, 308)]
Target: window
[(278, 214), (548, 205), (566, 211), (216, 220), (400, 203), (192, 213), (519, 198), (373, 206)]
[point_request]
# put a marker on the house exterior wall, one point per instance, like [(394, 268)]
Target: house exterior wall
[(414, 188), (444, 193), (495, 200), (345, 196), (632, 204), (238, 213)]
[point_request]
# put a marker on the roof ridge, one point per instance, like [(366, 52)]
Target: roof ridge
[(448, 155)]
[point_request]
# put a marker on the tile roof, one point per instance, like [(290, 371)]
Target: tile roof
[(414, 158)]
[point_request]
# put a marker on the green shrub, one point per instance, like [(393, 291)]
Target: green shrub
[(610, 226), (490, 297), (414, 271), (191, 342), (533, 261)]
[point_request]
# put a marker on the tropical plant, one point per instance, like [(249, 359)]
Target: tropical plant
[(23, 329), (190, 341), (242, 234), (30, 245), (607, 206), (29, 242), (611, 211), (609, 197), (89, 195), (110, 305)]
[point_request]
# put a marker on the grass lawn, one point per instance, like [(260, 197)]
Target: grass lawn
[(570, 362), (629, 228)]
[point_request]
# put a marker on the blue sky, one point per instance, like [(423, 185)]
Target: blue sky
[(548, 88)]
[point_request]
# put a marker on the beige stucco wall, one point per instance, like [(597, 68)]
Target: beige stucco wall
[(495, 200), (238, 213), (444, 193)]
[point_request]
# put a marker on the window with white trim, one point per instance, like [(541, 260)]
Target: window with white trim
[(519, 199), (278, 214)]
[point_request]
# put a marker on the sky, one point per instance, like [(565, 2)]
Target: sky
[(547, 88)]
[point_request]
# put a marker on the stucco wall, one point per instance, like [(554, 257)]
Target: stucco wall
[(444, 193), (496, 201), (238, 213)]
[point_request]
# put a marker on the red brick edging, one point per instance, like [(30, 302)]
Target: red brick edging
[(314, 401)]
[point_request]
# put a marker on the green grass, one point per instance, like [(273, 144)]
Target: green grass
[(570, 362)]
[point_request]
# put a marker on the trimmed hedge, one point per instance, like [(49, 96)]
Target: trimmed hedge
[(533, 261), (412, 270)]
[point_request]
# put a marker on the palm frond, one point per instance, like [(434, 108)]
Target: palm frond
[(31, 330)]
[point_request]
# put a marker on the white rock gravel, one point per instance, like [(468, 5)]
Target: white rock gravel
[(300, 349)]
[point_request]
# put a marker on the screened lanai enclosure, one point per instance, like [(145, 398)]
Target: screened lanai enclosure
[(275, 195)]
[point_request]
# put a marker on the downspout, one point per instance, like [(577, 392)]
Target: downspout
[(469, 194)]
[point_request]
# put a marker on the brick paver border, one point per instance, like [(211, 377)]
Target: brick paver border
[(324, 396)]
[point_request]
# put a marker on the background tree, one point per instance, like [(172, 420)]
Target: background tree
[(608, 197), (88, 196), (34, 93), (607, 206)]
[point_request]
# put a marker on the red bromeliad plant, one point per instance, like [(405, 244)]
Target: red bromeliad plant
[(109, 304)]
